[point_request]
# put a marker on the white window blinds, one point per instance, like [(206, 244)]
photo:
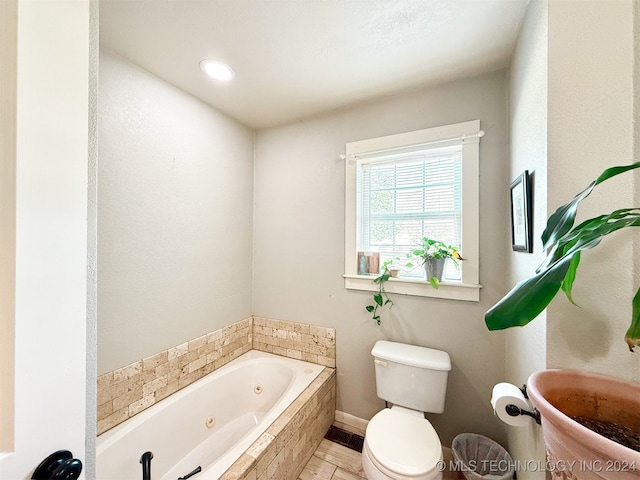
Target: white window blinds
[(405, 197)]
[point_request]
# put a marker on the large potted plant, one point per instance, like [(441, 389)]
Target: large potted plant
[(587, 418), (590, 424)]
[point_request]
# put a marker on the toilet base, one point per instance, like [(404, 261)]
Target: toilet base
[(374, 473)]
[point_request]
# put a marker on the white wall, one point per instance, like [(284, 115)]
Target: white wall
[(52, 150), (299, 247), (573, 109), (591, 126), (8, 92), (525, 348), (91, 426), (174, 216)]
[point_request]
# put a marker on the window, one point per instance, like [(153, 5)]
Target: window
[(404, 187)]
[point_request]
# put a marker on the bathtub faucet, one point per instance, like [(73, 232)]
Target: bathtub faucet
[(145, 460)]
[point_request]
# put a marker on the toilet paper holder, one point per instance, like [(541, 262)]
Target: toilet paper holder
[(514, 411)]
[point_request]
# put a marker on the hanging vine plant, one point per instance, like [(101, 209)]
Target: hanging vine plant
[(380, 299)]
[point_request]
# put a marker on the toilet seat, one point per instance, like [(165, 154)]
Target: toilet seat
[(402, 445)]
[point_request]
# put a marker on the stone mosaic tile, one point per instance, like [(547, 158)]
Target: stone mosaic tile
[(295, 340), (131, 389)]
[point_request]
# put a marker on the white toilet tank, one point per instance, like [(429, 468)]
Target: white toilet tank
[(411, 376)]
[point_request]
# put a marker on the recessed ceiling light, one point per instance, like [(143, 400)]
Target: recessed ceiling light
[(217, 70)]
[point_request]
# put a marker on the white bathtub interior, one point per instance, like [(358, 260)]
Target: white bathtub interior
[(209, 424)]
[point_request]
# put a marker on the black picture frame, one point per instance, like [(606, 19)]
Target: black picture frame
[(521, 215)]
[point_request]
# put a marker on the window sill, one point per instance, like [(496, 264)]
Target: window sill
[(417, 287)]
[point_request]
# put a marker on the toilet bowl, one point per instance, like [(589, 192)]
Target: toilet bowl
[(401, 444)]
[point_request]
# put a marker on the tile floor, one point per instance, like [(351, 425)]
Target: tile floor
[(333, 462)]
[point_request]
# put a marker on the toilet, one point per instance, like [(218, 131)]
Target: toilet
[(399, 442)]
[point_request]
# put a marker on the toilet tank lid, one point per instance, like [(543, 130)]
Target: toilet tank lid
[(411, 355)]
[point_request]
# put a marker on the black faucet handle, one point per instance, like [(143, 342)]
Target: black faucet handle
[(146, 457), (145, 460), (198, 469)]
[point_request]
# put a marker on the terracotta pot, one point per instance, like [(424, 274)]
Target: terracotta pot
[(574, 451)]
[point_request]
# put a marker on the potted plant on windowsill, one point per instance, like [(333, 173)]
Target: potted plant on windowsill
[(564, 397), (433, 254)]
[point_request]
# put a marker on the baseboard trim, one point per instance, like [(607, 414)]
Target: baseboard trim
[(351, 423)]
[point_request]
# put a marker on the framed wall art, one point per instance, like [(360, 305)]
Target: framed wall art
[(521, 215)]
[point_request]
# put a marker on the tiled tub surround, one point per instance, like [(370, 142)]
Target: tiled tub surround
[(201, 426), (289, 442), (129, 390)]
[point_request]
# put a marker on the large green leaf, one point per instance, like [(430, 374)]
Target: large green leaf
[(589, 234), (528, 298), (561, 221), (566, 242), (570, 277), (571, 238), (633, 333)]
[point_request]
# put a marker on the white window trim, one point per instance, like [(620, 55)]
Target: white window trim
[(468, 135)]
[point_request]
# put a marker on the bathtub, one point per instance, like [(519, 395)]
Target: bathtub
[(208, 424)]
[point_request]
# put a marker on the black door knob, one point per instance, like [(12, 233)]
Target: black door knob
[(59, 465)]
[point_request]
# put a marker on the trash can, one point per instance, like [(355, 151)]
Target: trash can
[(480, 458)]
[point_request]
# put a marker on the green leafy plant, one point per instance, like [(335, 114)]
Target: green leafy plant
[(429, 249), (566, 243), (381, 298)]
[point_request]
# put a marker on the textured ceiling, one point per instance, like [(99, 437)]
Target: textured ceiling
[(295, 58)]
